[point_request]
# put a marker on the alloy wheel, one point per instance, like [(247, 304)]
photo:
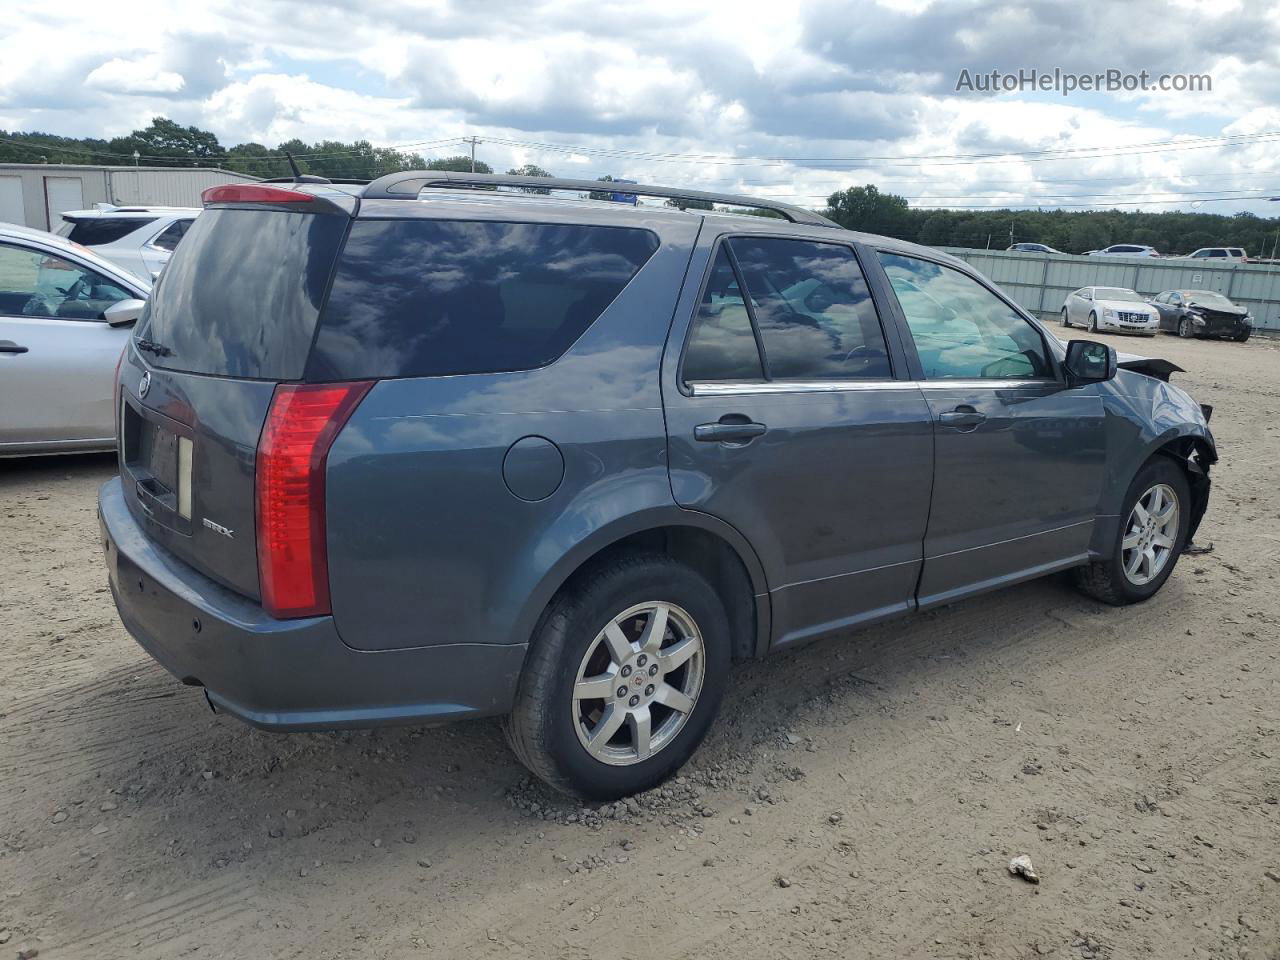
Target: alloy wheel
[(1150, 533), (638, 683)]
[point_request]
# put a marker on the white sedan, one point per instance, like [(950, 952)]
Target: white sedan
[(65, 317), (1110, 308)]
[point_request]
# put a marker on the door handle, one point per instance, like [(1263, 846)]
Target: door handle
[(962, 416), (732, 428), (8, 346)]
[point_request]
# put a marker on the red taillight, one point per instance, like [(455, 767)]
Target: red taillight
[(252, 193), (293, 564)]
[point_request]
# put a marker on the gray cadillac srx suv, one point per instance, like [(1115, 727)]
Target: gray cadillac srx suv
[(439, 446)]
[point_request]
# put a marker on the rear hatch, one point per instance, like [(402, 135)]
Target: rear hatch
[(232, 316)]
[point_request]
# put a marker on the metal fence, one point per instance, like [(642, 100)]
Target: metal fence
[(1040, 282)]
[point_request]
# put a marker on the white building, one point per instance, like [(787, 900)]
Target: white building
[(36, 194)]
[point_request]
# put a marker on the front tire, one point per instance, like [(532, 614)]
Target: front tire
[(1185, 330), (624, 676), (1093, 323), (1243, 337), (1149, 540)]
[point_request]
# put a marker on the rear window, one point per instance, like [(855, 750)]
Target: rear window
[(415, 298), (100, 230), (242, 292)]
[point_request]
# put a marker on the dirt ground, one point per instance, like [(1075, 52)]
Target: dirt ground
[(858, 798)]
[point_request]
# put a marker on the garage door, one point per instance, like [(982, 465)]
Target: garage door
[(11, 210), (62, 193)]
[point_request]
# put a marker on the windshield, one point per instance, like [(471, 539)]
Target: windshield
[(1116, 293), (1206, 298)]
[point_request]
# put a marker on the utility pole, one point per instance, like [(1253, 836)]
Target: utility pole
[(473, 141)]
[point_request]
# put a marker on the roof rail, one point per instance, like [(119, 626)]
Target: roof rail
[(407, 184)]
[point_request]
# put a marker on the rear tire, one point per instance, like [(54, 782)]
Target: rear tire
[(1124, 577), (597, 629), (1065, 321)]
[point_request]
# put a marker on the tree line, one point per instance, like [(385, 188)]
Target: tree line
[(1071, 231), (167, 143)]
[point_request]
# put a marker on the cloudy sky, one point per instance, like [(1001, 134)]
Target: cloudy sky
[(782, 99)]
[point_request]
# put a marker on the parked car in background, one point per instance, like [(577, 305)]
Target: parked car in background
[(65, 315), (139, 239), (1110, 308), (498, 454), (1124, 250), (1033, 248), (1202, 313), (1226, 254)]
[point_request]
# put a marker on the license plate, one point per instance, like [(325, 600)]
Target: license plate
[(166, 456), (161, 456)]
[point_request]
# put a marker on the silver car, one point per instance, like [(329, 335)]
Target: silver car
[(65, 315), (1116, 309)]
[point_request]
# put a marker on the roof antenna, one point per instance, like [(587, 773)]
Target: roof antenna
[(298, 175)]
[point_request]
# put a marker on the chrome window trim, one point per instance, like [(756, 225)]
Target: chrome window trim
[(975, 383), (732, 389), (703, 388)]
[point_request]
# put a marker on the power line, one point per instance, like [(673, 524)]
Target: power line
[(1047, 154)]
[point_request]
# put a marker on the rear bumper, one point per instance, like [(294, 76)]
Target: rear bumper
[(286, 674)]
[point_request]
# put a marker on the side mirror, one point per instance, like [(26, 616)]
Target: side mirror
[(123, 312), (1089, 361)]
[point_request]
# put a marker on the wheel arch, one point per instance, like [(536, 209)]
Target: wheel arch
[(1191, 447), (709, 545)]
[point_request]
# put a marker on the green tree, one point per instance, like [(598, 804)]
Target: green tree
[(531, 170), (1085, 235), (936, 231), (171, 141), (460, 164), (867, 209)]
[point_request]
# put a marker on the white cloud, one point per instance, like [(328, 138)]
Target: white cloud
[(141, 76), (813, 78)]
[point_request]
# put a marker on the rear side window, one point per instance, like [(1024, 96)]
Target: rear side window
[(416, 298), (168, 237), (241, 293), (101, 230)]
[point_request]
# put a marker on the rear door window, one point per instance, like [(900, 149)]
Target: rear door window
[(102, 230), (722, 344), (813, 310), (415, 298)]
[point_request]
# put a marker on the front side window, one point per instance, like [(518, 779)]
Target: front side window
[(38, 284), (961, 329)]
